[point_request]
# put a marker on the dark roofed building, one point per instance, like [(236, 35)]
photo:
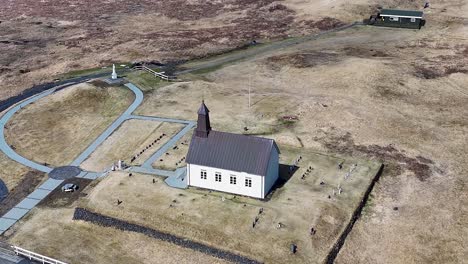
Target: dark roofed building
[(228, 162), (398, 18), (401, 13)]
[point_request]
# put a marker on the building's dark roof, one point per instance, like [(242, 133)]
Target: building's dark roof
[(232, 152), (401, 13)]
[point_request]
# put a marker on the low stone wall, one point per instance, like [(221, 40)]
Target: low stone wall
[(88, 216), (357, 213)]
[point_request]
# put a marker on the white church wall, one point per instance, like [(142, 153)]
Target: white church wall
[(272, 171), (194, 179)]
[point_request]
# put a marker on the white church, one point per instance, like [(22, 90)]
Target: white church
[(232, 163)]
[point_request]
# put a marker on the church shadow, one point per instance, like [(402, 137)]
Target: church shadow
[(286, 172)]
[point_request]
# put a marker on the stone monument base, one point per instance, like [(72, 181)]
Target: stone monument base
[(114, 81)]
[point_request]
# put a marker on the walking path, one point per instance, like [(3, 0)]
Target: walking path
[(148, 163), (175, 178), (5, 148), (138, 99)]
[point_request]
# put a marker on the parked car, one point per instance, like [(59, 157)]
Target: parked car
[(69, 187)]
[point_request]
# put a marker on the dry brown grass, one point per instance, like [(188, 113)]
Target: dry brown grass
[(370, 95), (202, 216), (57, 128), (52, 232), (11, 172), (374, 94), (176, 155), (40, 41), (128, 140)]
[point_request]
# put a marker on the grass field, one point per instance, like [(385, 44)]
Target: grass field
[(146, 81), (393, 95), (177, 154), (203, 216), (11, 172), (80, 242), (129, 139), (57, 128)]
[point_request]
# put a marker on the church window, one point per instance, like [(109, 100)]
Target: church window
[(233, 179), (218, 176), (248, 182)]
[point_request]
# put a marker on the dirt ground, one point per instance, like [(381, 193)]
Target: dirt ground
[(130, 139), (57, 128), (58, 199), (298, 204)]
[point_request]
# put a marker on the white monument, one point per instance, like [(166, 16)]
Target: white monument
[(114, 74)]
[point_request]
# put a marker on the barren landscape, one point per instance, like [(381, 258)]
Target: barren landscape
[(43, 39), (395, 96)]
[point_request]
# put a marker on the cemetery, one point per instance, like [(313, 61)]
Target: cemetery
[(317, 194)]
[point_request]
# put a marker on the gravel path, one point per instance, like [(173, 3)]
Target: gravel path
[(107, 221)]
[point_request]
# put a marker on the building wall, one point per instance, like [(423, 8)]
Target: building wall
[(194, 179), (402, 22), (272, 171)]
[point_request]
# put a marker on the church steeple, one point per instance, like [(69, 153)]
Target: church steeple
[(203, 123)]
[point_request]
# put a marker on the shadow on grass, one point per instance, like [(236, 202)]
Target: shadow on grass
[(286, 172)]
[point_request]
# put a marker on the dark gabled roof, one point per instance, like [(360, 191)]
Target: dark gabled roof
[(401, 13), (232, 152)]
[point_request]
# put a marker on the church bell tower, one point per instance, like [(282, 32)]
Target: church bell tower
[(203, 123)]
